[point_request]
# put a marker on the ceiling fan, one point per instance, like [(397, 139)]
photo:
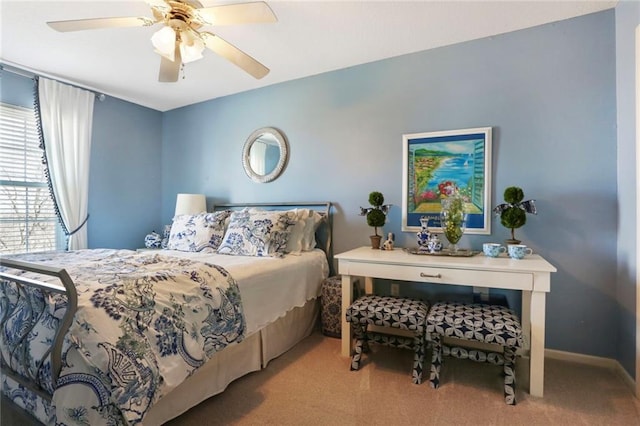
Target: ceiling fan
[(179, 41)]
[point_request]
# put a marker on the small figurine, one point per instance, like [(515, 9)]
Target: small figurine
[(388, 243), (434, 244)]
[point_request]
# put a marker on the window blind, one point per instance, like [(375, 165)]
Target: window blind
[(27, 216)]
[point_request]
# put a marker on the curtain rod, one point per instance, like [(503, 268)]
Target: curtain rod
[(24, 72)]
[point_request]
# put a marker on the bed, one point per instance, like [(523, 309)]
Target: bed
[(261, 306)]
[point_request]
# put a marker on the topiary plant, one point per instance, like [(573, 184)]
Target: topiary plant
[(513, 213), (376, 215)]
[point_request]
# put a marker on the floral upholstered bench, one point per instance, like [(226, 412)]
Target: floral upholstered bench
[(493, 324), (387, 311)]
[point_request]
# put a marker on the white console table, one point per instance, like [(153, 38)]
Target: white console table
[(531, 275)]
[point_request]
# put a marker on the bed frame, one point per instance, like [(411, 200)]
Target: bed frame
[(36, 381)]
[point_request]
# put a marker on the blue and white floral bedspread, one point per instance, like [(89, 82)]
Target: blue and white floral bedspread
[(145, 322)]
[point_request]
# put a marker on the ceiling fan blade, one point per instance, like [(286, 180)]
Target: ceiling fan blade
[(235, 55), (97, 23), (170, 70), (242, 13)]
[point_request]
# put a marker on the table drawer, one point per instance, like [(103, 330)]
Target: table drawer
[(428, 274)]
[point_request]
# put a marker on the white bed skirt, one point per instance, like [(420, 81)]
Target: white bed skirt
[(235, 361)]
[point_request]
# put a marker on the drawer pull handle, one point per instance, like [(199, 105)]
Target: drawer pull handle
[(423, 275)]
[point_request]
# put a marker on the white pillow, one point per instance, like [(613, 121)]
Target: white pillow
[(257, 233), (200, 232), (311, 225), (294, 245)]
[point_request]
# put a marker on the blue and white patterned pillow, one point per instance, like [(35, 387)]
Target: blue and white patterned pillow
[(200, 232), (257, 233), (294, 242)]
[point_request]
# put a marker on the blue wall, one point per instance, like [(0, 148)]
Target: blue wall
[(16, 90), (125, 183), (627, 20), (548, 92), (124, 177)]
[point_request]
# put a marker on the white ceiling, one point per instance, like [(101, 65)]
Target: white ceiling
[(310, 37)]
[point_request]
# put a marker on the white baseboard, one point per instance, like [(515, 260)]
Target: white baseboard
[(595, 361), (626, 378)]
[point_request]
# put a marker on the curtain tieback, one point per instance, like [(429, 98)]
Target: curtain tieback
[(79, 227)]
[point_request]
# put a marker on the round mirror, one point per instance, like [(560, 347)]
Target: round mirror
[(265, 154)]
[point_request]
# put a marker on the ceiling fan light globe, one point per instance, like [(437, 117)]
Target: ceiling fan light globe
[(164, 42), (191, 52), (170, 57), (188, 37)]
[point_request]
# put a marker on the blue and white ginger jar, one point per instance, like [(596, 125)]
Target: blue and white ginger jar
[(423, 236), (153, 240)]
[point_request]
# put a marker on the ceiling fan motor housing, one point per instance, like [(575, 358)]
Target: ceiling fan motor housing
[(181, 15)]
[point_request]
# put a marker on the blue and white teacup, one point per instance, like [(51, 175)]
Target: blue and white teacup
[(493, 249), (518, 251)]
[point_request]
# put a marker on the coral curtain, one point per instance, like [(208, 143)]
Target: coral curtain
[(66, 118)]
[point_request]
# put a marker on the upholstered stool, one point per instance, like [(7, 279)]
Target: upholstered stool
[(386, 311), (331, 306), (475, 322)]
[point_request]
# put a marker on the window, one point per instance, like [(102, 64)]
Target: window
[(27, 216)]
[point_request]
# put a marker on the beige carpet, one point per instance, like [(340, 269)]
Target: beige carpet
[(312, 385)]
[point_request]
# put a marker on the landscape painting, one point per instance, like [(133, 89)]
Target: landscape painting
[(436, 162)]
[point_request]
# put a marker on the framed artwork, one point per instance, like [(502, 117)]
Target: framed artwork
[(434, 161)]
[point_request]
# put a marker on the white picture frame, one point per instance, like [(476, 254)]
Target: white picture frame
[(433, 159)]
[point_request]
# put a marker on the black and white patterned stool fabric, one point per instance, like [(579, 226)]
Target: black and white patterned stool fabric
[(493, 324), (387, 311)]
